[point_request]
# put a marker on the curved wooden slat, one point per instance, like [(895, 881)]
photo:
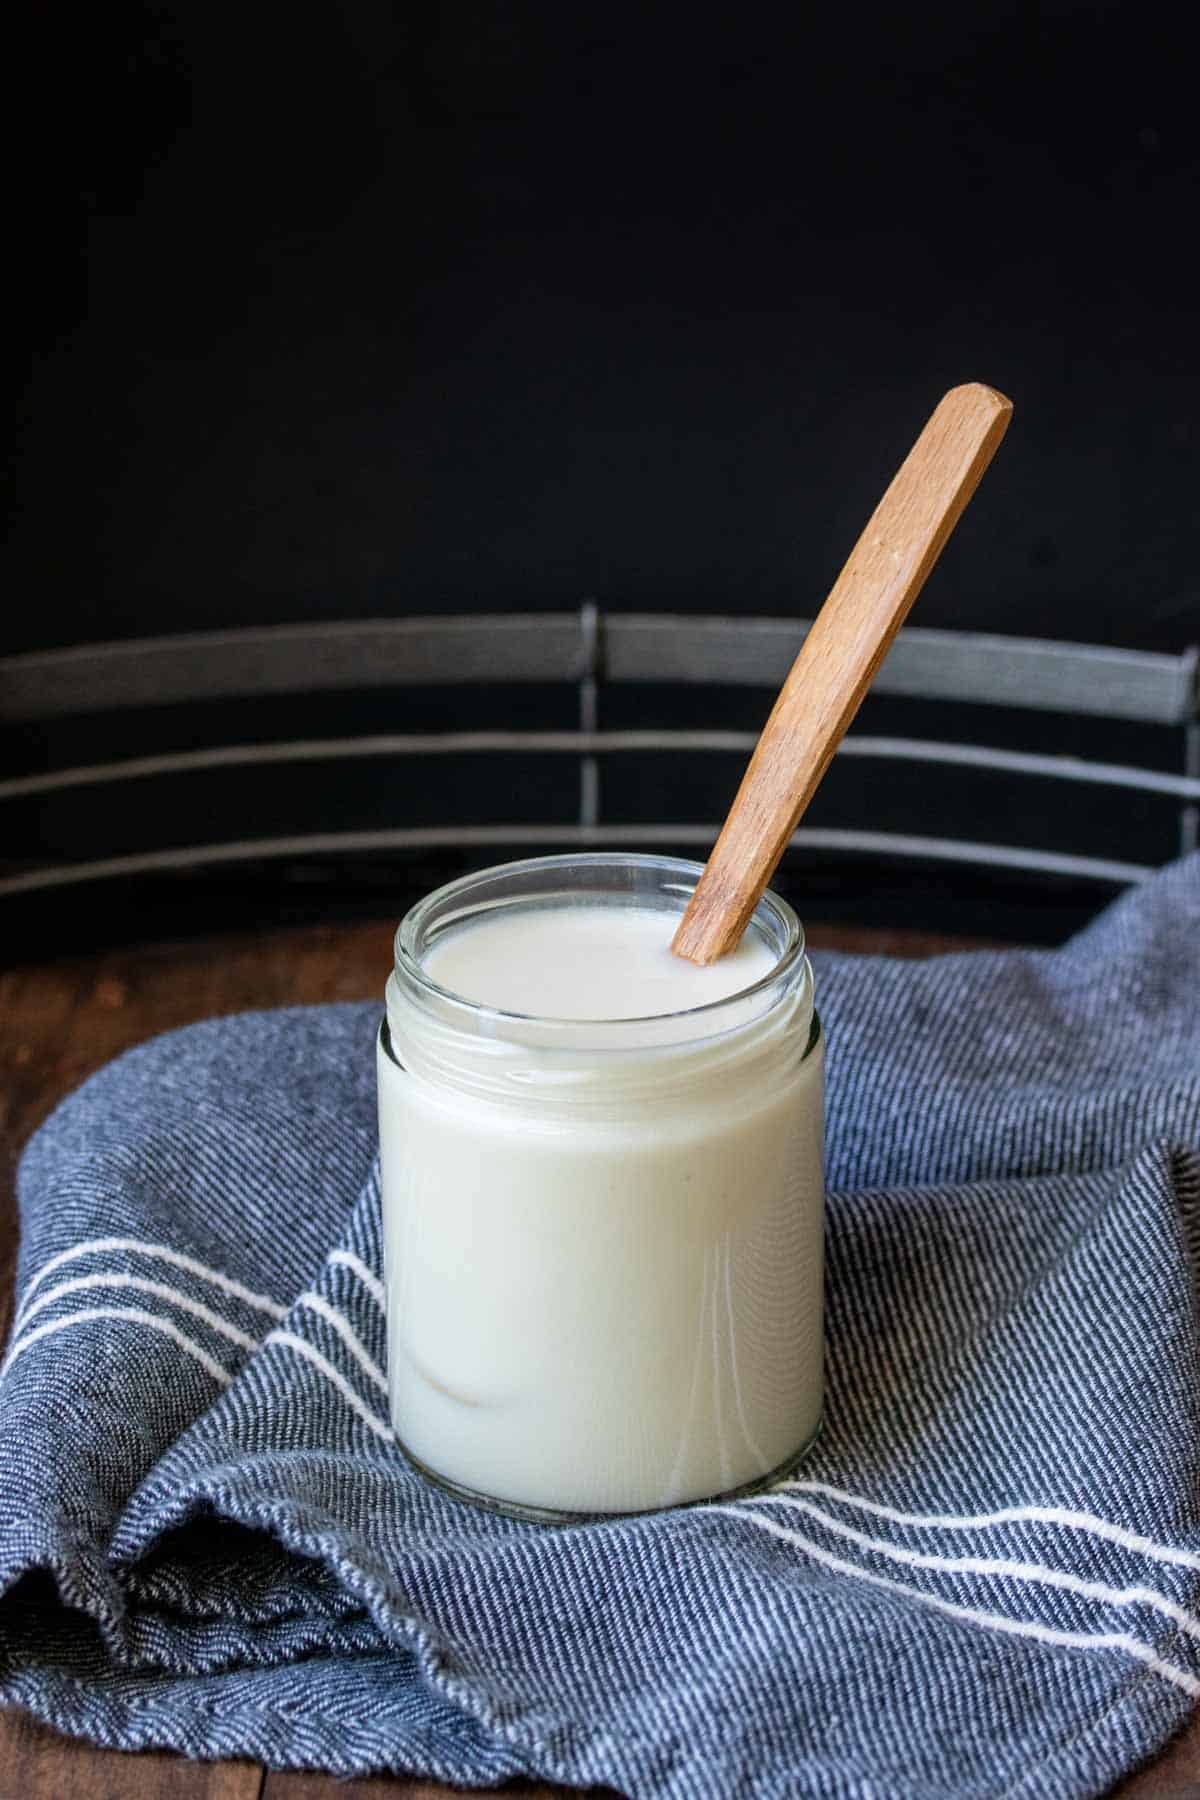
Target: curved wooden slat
[(292, 659), (624, 647), (450, 837), (970, 666), (591, 744)]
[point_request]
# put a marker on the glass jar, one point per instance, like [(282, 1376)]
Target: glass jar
[(603, 1239)]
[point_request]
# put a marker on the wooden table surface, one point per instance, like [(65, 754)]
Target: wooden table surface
[(58, 1023)]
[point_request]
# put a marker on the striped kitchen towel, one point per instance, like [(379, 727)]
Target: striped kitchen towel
[(984, 1582)]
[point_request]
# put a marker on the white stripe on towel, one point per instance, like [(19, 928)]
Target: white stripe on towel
[(322, 1364), (163, 1253), (358, 1267), (1044, 1515), (158, 1289), (999, 1567), (174, 1297), (217, 1370), (345, 1331), (1026, 1628)]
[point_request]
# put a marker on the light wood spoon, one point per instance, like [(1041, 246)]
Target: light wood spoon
[(838, 659)]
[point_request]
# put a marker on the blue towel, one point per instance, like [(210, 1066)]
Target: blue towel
[(984, 1581)]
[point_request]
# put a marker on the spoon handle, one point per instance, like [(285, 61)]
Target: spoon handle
[(838, 659)]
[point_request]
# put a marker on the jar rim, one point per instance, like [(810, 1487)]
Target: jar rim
[(770, 907)]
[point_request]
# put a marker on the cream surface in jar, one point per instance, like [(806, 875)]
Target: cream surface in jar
[(602, 1191)]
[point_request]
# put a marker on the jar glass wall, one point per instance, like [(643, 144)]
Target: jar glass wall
[(603, 1238)]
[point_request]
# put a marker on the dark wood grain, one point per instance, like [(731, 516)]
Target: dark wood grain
[(61, 1021), (289, 1786), (37, 1764), (1175, 1775)]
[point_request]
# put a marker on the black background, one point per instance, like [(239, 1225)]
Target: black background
[(352, 310)]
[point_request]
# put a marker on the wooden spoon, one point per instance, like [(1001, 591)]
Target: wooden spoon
[(838, 659)]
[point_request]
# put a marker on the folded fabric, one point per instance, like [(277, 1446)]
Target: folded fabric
[(983, 1581)]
